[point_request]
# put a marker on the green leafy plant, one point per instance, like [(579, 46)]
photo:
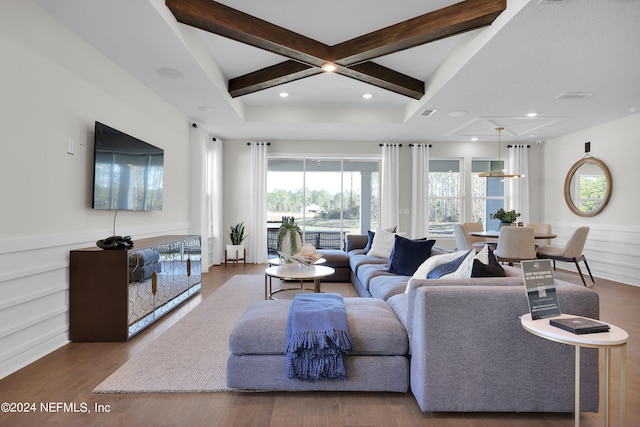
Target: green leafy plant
[(291, 229), (505, 216), (237, 234)]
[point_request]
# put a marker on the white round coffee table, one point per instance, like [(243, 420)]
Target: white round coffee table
[(296, 272)]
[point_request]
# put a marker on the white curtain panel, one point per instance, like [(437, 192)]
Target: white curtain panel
[(420, 191), (257, 250), (518, 188), (214, 200), (206, 194), (389, 200)]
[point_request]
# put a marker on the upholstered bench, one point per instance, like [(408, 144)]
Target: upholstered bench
[(379, 361), (339, 261)]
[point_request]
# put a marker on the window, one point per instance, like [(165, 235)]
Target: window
[(327, 197), (487, 194), (445, 196), (448, 198)]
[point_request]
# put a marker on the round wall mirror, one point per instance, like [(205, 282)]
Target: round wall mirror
[(587, 188)]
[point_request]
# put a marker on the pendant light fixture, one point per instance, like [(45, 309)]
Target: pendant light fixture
[(502, 172)]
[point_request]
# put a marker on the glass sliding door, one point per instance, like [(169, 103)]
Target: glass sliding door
[(327, 197)]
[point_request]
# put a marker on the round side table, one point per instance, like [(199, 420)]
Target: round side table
[(616, 337)]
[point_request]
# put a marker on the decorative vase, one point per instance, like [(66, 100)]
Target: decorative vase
[(287, 247), (505, 224)]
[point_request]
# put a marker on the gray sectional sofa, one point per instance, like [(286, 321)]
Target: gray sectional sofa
[(466, 350)]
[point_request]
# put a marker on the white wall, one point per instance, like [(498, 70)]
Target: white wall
[(613, 245), (54, 87)]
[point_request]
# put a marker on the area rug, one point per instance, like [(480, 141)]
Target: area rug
[(191, 356)]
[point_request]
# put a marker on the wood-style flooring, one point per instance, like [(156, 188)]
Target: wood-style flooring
[(68, 375)]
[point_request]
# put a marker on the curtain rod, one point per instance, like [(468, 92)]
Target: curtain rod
[(509, 146), (260, 143), (411, 145), (382, 145)]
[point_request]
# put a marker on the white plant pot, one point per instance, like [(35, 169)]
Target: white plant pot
[(286, 244), (235, 252)]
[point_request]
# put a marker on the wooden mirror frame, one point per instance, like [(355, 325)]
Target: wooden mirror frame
[(567, 186)]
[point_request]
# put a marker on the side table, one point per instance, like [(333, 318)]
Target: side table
[(616, 337)]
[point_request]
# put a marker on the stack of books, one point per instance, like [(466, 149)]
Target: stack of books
[(579, 325)]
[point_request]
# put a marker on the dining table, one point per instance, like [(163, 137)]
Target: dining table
[(494, 234)]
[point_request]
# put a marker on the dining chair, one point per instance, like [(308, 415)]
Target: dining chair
[(571, 252), (515, 244), (541, 229), (465, 241)]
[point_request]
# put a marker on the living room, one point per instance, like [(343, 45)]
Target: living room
[(55, 85)]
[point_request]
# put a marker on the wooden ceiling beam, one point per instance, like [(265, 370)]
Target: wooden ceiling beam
[(219, 19), (352, 57), (385, 78), (446, 22), (275, 75)]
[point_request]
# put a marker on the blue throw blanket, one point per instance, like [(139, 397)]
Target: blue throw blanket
[(317, 337)]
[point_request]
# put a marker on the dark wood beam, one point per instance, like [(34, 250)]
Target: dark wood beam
[(449, 21), (352, 57), (219, 19), (386, 78), (275, 75)]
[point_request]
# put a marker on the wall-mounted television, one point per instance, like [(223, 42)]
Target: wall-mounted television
[(128, 172)]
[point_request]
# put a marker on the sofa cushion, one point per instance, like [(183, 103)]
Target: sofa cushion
[(407, 255), (385, 286), (382, 244), (366, 272), (490, 269), (435, 260), (358, 259), (447, 267), (370, 236), (373, 326), (464, 270)]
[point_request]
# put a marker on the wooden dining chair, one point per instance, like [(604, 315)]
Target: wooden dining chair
[(515, 244), (571, 252)]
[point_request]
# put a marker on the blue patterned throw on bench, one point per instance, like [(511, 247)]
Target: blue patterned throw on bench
[(317, 337)]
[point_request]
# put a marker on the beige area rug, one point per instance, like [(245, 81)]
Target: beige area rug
[(191, 356)]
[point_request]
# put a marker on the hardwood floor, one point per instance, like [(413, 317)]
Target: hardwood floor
[(69, 374)]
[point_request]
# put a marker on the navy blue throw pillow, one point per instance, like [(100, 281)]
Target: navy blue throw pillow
[(447, 268), (370, 235), (407, 255)]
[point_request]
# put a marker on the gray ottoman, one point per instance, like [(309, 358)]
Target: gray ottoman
[(379, 361), (339, 261)]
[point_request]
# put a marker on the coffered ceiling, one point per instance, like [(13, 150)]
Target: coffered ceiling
[(573, 62)]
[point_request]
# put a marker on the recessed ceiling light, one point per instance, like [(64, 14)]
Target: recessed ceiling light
[(170, 73), (367, 96), (475, 138), (531, 114), (329, 67), (458, 113), (634, 109), (283, 94)]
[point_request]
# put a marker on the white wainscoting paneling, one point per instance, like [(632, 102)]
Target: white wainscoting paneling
[(34, 293)]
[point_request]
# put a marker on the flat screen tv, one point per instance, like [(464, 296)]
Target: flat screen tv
[(127, 172)]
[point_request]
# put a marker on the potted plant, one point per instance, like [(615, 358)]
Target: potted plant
[(289, 236), (235, 251), (505, 217)]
